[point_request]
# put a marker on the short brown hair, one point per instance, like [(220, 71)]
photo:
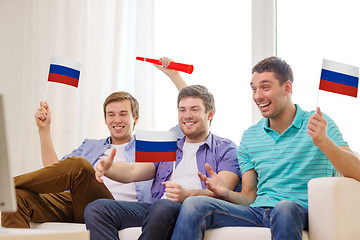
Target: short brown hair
[(200, 92), (279, 67), (121, 96)]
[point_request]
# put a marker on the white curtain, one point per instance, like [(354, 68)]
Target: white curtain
[(104, 36), (219, 48)]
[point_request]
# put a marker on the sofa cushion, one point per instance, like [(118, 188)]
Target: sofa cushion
[(248, 233)]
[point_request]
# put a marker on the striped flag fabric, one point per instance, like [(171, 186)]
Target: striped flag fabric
[(155, 146), (339, 78), (65, 71)]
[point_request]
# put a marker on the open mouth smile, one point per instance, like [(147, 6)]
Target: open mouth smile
[(263, 106), (118, 127)]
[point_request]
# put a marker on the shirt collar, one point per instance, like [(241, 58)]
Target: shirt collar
[(108, 141), (208, 141), (131, 142), (298, 120)]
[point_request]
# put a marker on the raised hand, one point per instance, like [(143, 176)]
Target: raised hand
[(317, 128), (43, 115), (172, 74), (104, 165), (215, 183), (164, 64)]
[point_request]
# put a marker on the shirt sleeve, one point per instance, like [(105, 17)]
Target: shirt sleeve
[(156, 164), (228, 159), (244, 158), (76, 152), (334, 132)]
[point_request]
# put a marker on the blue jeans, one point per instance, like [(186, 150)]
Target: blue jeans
[(160, 220), (286, 220), (105, 217)]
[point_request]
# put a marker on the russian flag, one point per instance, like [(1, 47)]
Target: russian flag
[(155, 146), (65, 71), (339, 78)]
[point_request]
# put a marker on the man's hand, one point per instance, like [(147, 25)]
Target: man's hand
[(175, 192), (317, 128), (164, 64), (43, 116), (172, 74), (215, 183), (104, 165)]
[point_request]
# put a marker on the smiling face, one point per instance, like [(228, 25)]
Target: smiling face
[(120, 121), (269, 95), (193, 120)]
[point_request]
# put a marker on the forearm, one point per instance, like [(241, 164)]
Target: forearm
[(248, 190), (131, 172), (178, 81), (233, 197), (48, 154), (342, 158), (120, 172), (240, 198), (201, 192)]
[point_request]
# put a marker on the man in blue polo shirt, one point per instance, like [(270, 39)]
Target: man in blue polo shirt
[(196, 109), (277, 158)]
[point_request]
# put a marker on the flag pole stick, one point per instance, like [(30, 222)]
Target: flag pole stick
[(317, 100), (173, 176), (46, 90)]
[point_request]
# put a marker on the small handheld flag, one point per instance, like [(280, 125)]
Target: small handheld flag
[(339, 78), (173, 65), (65, 71), (155, 146)]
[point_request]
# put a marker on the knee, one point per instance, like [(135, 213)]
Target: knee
[(285, 209), (163, 208), (286, 205), (196, 200), (94, 211), (193, 205), (289, 219), (80, 164)]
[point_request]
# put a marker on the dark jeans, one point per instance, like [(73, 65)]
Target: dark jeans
[(104, 217), (41, 198), (160, 220)]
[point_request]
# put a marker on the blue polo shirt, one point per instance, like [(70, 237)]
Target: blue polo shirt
[(219, 152), (285, 163)]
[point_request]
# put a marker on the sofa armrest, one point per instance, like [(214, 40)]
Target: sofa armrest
[(334, 210)]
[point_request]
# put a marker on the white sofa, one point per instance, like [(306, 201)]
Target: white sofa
[(334, 214)]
